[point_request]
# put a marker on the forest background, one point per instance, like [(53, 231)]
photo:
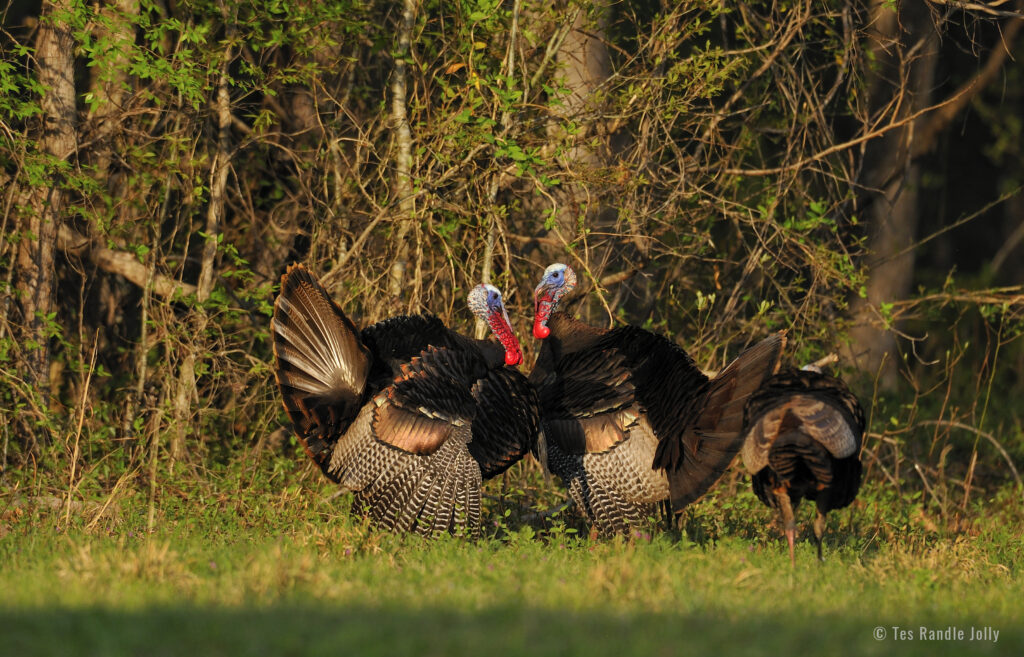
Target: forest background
[(850, 171)]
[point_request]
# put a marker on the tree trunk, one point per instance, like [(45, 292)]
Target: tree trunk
[(403, 159), (584, 64), (907, 47), (34, 267)]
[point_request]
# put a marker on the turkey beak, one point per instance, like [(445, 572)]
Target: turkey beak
[(504, 316)]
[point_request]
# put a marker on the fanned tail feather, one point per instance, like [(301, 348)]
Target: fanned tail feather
[(801, 464), (696, 461), (795, 457), (426, 504), (428, 510), (389, 493), (321, 365)]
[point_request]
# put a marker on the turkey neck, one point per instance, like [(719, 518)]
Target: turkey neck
[(568, 335), (492, 351)]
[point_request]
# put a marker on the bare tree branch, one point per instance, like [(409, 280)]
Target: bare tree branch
[(943, 116), (990, 8), (122, 263), (856, 141)]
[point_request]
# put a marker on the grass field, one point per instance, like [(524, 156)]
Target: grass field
[(289, 572)]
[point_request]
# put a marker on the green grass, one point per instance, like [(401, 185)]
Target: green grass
[(288, 572)]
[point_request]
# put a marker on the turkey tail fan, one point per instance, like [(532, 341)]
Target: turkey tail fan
[(321, 365), (425, 506), (696, 461), (467, 499)]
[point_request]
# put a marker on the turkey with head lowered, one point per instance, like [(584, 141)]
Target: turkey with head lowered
[(802, 436)]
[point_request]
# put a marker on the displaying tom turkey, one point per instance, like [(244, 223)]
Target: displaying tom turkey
[(802, 437), (408, 414), (629, 420)]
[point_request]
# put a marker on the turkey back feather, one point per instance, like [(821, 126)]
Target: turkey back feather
[(666, 378), (802, 438), (436, 383), (397, 340), (816, 416), (820, 405), (581, 399)]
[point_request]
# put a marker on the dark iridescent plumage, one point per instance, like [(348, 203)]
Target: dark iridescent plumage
[(802, 438), (408, 414), (629, 419)]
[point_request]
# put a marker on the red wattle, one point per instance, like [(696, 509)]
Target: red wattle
[(542, 304), (513, 352)]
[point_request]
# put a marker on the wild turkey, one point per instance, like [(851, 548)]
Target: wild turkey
[(408, 414), (802, 435), (628, 418)]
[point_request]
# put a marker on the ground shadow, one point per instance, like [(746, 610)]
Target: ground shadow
[(307, 628)]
